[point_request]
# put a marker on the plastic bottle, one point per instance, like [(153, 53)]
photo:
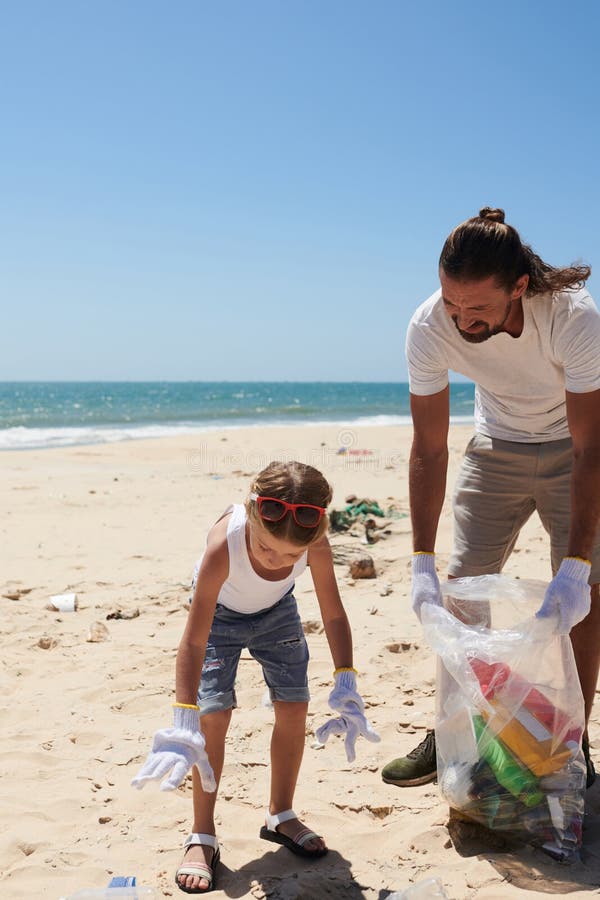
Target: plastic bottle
[(119, 893), (430, 889), (456, 785), (517, 780)]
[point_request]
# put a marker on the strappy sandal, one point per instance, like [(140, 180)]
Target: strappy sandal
[(269, 833), (200, 870)]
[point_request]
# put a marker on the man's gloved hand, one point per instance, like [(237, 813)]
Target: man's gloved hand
[(425, 583), (568, 595), (352, 721), (178, 748)]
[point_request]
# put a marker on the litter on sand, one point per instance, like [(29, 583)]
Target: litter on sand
[(63, 603)]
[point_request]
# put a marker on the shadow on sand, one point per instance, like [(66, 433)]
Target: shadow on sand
[(529, 868), (280, 876)]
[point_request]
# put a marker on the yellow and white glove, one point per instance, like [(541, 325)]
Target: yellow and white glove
[(178, 749), (352, 722), (568, 596), (425, 583)]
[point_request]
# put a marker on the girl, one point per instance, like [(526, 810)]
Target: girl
[(243, 598)]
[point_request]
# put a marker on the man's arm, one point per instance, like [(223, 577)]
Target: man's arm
[(583, 416), (568, 596), (428, 466)]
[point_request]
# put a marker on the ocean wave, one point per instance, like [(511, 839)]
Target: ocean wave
[(23, 438)]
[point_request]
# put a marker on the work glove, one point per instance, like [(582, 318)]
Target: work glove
[(352, 721), (177, 749), (568, 594), (425, 583)]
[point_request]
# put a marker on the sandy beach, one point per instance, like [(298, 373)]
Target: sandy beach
[(121, 525)]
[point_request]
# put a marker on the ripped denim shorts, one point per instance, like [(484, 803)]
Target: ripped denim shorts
[(274, 637)]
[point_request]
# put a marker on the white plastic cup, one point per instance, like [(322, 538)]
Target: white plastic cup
[(64, 602)]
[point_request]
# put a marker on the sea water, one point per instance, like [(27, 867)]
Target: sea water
[(59, 414)]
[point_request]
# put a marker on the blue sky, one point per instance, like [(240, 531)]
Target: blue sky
[(260, 190)]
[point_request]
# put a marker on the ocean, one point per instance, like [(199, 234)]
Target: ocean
[(60, 414)]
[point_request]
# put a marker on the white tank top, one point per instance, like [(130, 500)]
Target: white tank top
[(244, 591)]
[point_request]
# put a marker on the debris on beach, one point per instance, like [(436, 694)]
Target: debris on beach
[(46, 642), (374, 532), (97, 632), (16, 593), (354, 451), (362, 567), (401, 646), (343, 553), (62, 603), (313, 626), (125, 613), (361, 510), (360, 564)]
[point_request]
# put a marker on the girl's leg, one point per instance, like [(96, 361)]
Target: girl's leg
[(287, 749), (214, 728)]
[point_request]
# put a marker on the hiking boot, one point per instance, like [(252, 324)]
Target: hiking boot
[(417, 767), (589, 765)]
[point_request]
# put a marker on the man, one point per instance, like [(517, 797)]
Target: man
[(528, 335)]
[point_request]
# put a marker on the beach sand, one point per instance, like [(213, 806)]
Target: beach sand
[(121, 525)]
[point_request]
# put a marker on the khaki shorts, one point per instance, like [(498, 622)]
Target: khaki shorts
[(499, 485)]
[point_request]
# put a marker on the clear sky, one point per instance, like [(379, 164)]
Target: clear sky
[(260, 190)]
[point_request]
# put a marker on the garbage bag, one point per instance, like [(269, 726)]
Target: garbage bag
[(509, 712)]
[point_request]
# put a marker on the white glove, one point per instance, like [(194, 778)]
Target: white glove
[(568, 594), (352, 722), (178, 748), (425, 583)]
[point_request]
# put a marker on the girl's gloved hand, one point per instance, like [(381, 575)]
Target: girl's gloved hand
[(177, 749), (352, 721), (568, 595), (425, 583)]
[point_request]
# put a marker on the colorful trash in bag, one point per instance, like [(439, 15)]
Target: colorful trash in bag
[(510, 712)]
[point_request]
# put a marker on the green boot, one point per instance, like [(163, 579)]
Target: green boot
[(417, 767)]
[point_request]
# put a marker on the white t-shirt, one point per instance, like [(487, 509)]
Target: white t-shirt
[(520, 382)]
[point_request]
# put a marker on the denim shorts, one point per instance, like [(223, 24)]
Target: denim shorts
[(274, 637), (499, 486)]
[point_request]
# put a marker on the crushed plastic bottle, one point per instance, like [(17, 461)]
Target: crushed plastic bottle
[(119, 893), (430, 889)]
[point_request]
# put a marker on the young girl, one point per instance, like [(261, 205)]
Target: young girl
[(243, 598)]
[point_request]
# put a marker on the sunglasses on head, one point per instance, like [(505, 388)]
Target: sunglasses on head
[(272, 510)]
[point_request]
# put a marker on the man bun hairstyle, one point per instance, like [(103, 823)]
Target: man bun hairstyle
[(294, 482), (494, 215), (486, 246)]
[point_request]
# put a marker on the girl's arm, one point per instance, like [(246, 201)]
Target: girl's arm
[(333, 614), (344, 698), (213, 572)]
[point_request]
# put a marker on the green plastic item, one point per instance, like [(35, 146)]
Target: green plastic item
[(365, 509), (515, 778)]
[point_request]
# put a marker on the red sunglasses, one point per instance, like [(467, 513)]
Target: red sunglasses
[(270, 509)]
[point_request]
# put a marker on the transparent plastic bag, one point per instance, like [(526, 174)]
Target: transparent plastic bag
[(510, 712)]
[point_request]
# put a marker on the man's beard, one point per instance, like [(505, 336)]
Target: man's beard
[(478, 337)]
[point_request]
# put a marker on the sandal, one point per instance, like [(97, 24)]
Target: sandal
[(269, 833), (201, 870)]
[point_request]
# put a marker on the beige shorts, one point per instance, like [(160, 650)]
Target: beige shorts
[(499, 485)]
